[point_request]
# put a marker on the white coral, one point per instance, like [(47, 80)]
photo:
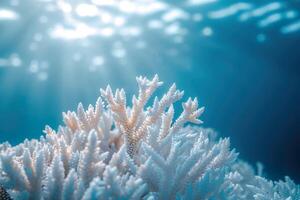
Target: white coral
[(112, 151)]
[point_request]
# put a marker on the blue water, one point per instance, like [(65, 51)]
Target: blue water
[(241, 59)]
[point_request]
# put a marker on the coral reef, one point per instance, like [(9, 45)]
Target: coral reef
[(113, 151)]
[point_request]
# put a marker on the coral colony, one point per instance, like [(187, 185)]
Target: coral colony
[(113, 151)]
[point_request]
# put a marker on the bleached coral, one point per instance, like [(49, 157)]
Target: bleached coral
[(113, 151)]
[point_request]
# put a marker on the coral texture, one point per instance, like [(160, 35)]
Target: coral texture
[(113, 151)]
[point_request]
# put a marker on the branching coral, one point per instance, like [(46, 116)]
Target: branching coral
[(113, 151), (134, 123)]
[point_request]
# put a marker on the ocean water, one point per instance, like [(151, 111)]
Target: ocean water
[(240, 58)]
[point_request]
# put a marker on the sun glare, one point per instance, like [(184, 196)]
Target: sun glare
[(6, 14), (93, 26)]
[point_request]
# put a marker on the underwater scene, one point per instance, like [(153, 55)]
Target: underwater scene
[(150, 99)]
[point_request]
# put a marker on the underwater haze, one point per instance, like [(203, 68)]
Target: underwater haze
[(240, 58)]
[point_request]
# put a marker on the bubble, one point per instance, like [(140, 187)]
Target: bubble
[(106, 18), (173, 29), (98, 60), (119, 21), (65, 7), (207, 31), (34, 66), (119, 53), (87, 10), (107, 32), (15, 60), (155, 24)]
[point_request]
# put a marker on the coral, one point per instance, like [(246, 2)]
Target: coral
[(113, 151)]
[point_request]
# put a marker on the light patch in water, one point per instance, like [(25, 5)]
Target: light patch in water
[(270, 20), (229, 11), (141, 7), (87, 10), (172, 52), (207, 31), (178, 39), (4, 62), (39, 68), (38, 37), (33, 46), (291, 28), (155, 24), (175, 14), (77, 57), (79, 32), (199, 2), (132, 31), (107, 32), (43, 19), (104, 2), (291, 14), (98, 60), (119, 21), (197, 17), (54, 7), (44, 65), (34, 66), (42, 76), (6, 14), (63, 6), (106, 17), (127, 7), (119, 52), (152, 7), (261, 37), (276, 17), (93, 68), (15, 60), (14, 2), (137, 7), (261, 11), (173, 29), (140, 44)]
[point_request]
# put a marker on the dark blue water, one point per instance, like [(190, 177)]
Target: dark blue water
[(245, 74)]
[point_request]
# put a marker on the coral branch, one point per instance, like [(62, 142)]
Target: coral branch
[(114, 151)]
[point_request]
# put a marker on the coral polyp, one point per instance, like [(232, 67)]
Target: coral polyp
[(113, 150)]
